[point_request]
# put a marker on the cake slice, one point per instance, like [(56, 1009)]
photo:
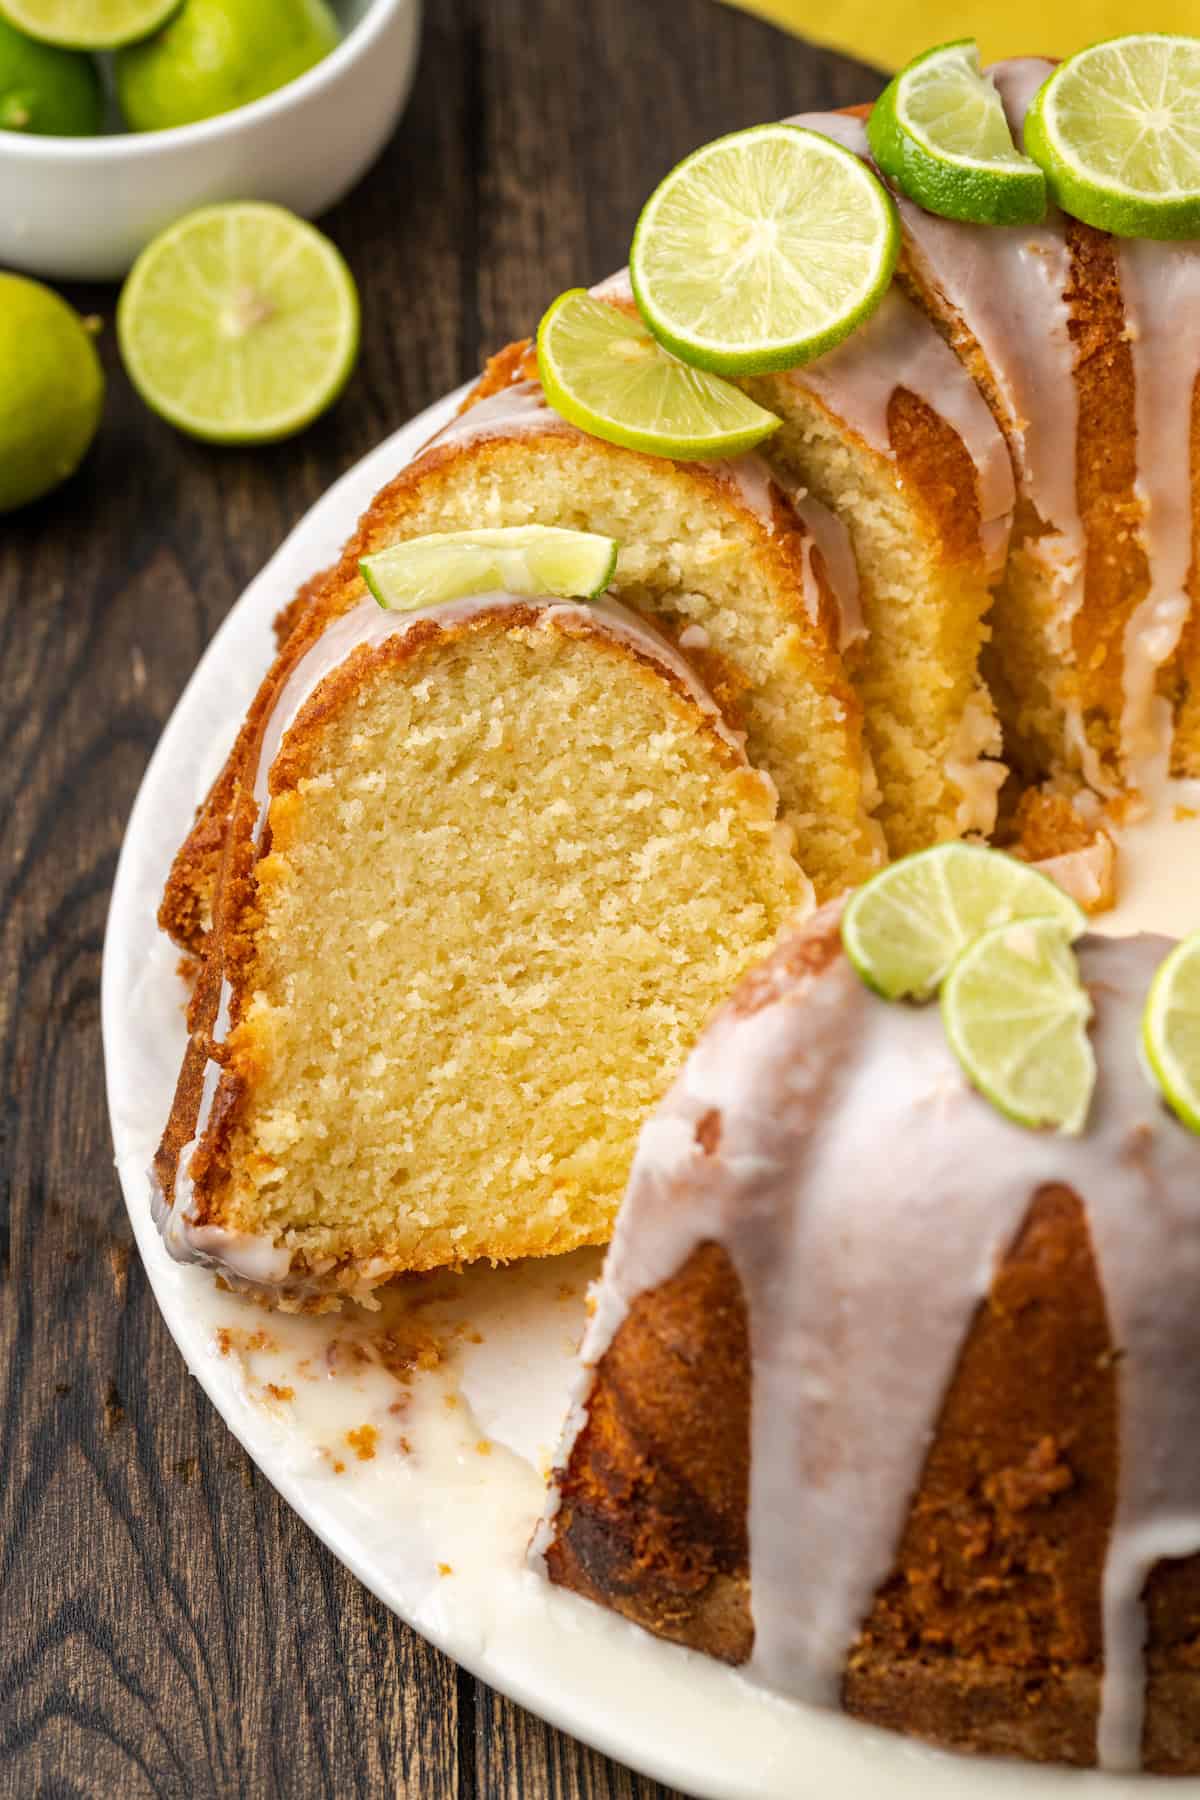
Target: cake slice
[(755, 596), (489, 868)]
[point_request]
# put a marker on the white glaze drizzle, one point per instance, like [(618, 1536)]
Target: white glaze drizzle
[(1160, 287), (853, 1157), (256, 1258), (824, 531)]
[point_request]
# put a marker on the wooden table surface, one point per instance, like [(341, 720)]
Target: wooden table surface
[(167, 1625)]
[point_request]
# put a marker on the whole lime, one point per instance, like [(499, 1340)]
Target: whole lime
[(51, 391), (218, 54), (55, 93)]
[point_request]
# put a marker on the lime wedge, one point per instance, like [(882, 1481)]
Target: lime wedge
[(903, 929), (602, 370), (1016, 1013), (939, 130), (1117, 130), (239, 324), (1171, 1030), (763, 249), (89, 24), (513, 559)]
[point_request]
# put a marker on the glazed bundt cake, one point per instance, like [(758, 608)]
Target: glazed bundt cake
[(755, 595), (490, 867), (885, 1397)]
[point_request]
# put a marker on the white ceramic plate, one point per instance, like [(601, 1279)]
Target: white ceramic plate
[(427, 1484)]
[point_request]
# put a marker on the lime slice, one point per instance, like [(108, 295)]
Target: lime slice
[(47, 91), (1171, 1030), (239, 324), (1117, 130), (939, 130), (602, 370), (1016, 1013), (89, 24), (903, 929), (763, 249), (512, 559)]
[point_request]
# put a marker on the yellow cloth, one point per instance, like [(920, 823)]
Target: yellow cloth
[(889, 34)]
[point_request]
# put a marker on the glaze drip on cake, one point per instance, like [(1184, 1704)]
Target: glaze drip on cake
[(830, 1144)]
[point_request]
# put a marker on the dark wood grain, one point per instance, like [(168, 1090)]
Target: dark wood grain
[(167, 1626)]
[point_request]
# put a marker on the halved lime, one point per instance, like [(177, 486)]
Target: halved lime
[(939, 130), (903, 929), (763, 249), (1117, 130), (1016, 1013), (89, 24), (1171, 1030), (239, 324), (511, 559), (602, 370)]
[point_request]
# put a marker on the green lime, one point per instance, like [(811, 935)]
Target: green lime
[(239, 323), (45, 91), (903, 929), (51, 391), (510, 559), (1171, 1030), (218, 54), (1016, 1013), (88, 24), (1117, 130), (602, 370), (939, 130), (763, 249)]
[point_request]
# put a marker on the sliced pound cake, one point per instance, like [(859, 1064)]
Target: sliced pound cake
[(490, 867)]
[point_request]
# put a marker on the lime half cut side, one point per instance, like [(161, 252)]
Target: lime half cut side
[(904, 928), (939, 130), (1117, 130), (603, 371), (1171, 1030), (518, 559), (1016, 1013), (239, 324), (89, 24), (763, 249)]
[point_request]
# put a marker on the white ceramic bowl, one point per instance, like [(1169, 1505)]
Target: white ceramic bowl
[(82, 208)]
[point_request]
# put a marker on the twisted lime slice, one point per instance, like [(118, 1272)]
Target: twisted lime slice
[(1117, 130), (239, 324), (601, 369), (904, 928), (763, 249), (1171, 1030), (1016, 1013), (512, 559), (89, 24), (939, 130)]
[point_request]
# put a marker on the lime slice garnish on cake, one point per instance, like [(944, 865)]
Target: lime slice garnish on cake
[(1016, 1013), (513, 559), (1117, 130), (763, 249), (239, 324), (904, 928), (939, 130), (1171, 1030), (601, 369), (89, 24)]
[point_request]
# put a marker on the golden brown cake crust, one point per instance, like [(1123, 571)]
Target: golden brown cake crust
[(986, 1635)]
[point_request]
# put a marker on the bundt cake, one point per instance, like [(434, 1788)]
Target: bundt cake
[(712, 553), (886, 1398), (489, 869)]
